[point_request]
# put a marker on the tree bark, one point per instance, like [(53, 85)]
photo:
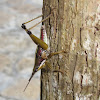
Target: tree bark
[(75, 28)]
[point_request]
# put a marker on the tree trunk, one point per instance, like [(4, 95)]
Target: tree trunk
[(74, 27)]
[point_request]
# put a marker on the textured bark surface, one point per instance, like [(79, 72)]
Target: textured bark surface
[(74, 27)]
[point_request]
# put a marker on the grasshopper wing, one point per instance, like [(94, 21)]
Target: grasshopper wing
[(43, 37)]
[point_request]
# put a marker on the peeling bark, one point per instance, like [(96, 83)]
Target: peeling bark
[(74, 27)]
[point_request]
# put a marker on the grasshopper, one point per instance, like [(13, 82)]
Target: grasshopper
[(42, 54)]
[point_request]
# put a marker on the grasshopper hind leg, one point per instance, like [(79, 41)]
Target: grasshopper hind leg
[(23, 26), (33, 19)]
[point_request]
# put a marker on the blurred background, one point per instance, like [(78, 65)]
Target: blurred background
[(17, 51)]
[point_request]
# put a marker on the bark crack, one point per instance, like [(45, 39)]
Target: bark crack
[(76, 5), (81, 83), (86, 58), (81, 37), (73, 75), (96, 50)]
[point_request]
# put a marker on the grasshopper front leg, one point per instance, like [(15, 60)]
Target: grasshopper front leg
[(56, 53), (53, 54), (54, 70)]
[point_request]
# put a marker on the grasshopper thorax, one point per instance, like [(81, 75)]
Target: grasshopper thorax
[(44, 54)]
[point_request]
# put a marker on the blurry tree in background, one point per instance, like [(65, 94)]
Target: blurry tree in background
[(74, 27), (17, 51)]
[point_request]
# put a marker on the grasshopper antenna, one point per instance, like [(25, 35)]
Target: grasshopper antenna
[(26, 86), (29, 80)]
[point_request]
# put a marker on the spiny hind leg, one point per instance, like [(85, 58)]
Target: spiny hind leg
[(40, 21), (33, 19), (23, 25), (43, 19)]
